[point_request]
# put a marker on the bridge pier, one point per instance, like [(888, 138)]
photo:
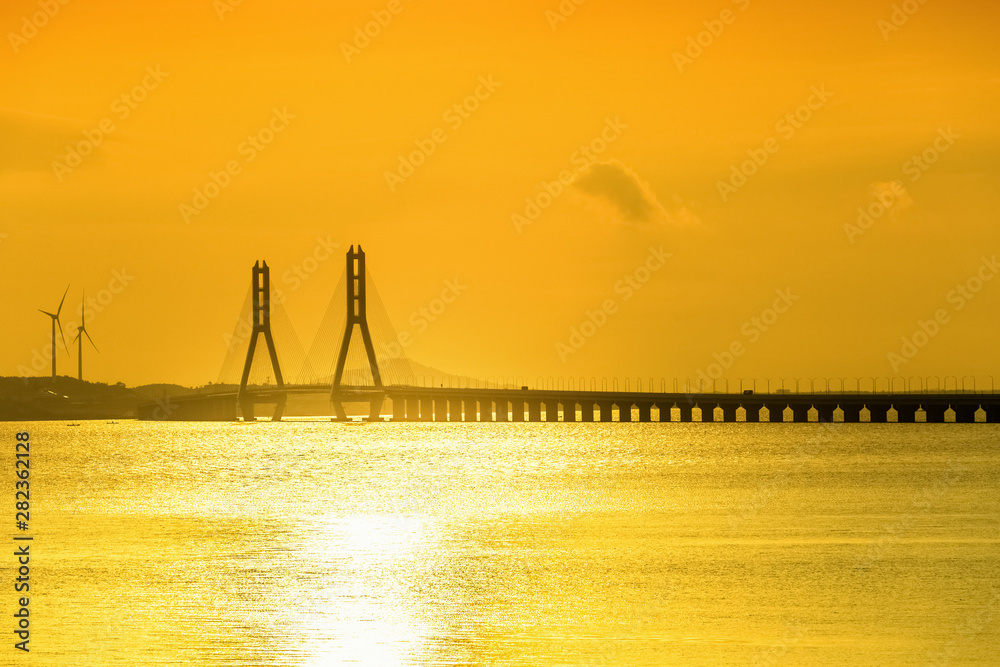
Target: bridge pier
[(606, 414), (729, 412), (517, 410), (645, 412), (753, 412), (569, 411), (687, 413), (800, 413), (374, 408), (426, 409), (624, 412), (776, 412), (535, 411), (587, 412), (454, 409), (503, 410), (707, 413), (551, 411), (398, 408), (440, 409)]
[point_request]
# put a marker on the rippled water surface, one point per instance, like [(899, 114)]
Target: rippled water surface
[(312, 543)]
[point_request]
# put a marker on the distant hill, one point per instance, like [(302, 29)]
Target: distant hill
[(43, 398)]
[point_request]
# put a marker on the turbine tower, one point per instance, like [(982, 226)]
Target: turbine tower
[(81, 331), (55, 320)]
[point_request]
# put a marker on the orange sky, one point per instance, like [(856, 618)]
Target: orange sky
[(677, 120)]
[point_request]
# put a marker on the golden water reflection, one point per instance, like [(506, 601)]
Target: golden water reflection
[(309, 544)]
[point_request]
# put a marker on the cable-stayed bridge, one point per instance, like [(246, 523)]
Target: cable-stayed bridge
[(355, 358)]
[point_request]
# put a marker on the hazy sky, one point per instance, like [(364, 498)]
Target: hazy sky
[(153, 151)]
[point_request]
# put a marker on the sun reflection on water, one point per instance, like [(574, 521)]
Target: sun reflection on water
[(361, 609)]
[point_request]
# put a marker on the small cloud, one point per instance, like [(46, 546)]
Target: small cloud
[(631, 199)]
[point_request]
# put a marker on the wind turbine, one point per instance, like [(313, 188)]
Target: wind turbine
[(81, 331), (55, 320)]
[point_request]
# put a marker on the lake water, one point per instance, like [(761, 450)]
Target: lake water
[(314, 543)]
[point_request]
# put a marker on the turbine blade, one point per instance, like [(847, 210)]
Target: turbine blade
[(87, 334), (62, 334), (62, 300), (46, 312)]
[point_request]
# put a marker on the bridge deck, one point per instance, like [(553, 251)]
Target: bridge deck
[(501, 404)]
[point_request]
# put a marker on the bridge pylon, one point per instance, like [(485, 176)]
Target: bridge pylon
[(262, 325), (357, 315)]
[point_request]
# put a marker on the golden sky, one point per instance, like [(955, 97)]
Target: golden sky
[(741, 138)]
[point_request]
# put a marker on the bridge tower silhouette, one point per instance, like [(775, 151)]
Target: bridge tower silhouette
[(357, 315), (261, 325)]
